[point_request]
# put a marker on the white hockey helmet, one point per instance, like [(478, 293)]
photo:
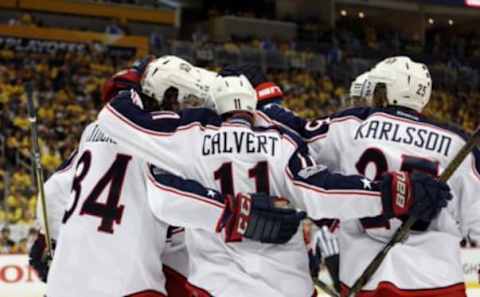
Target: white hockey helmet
[(234, 93), (407, 83), (170, 71), (208, 78), (362, 88)]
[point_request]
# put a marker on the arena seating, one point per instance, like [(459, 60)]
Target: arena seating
[(68, 90)]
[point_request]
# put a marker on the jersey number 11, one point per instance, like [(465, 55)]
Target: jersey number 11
[(259, 172)]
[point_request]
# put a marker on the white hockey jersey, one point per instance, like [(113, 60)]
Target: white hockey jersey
[(175, 262), (234, 157), (57, 194), (111, 241), (372, 141)]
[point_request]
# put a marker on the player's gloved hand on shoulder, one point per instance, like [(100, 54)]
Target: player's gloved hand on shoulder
[(38, 257), (267, 91), (125, 79), (259, 217), (419, 195)]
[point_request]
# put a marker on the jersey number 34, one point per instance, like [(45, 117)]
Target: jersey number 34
[(110, 211)]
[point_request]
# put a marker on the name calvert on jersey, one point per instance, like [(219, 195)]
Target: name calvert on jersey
[(239, 143)]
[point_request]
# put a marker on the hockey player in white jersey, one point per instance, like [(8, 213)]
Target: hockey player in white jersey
[(227, 153), (58, 185), (373, 141), (112, 237)]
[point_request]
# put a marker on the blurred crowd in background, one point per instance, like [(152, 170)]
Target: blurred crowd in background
[(67, 89), (314, 76)]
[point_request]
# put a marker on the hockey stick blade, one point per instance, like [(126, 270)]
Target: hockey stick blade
[(403, 231), (37, 165)]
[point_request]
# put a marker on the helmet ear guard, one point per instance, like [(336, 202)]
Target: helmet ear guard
[(407, 83)]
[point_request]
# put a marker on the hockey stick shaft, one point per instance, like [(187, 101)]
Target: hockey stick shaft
[(37, 165), (403, 231), (326, 288)]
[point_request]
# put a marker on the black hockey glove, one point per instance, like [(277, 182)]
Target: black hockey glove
[(38, 258), (418, 195), (256, 217)]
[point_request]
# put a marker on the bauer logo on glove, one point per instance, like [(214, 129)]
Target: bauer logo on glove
[(401, 189)]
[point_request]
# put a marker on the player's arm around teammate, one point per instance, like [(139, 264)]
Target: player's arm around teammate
[(255, 216), (346, 197)]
